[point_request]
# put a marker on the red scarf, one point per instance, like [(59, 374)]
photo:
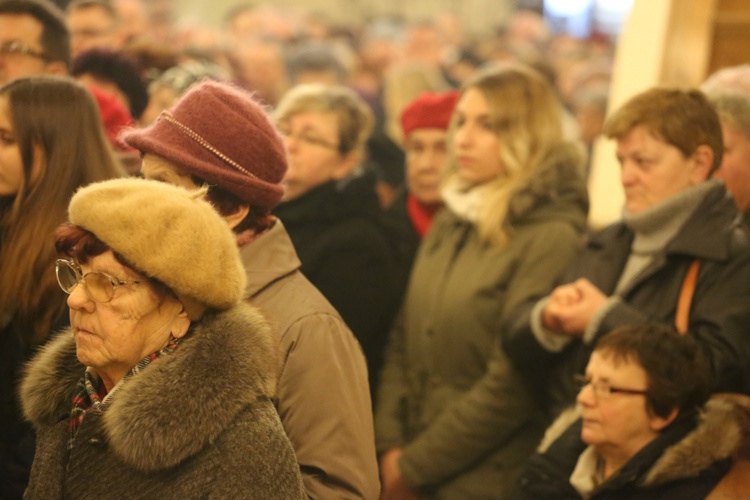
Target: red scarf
[(421, 215)]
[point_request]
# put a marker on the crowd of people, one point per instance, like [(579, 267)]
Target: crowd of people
[(303, 260)]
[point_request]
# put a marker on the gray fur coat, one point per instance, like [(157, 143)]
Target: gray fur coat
[(197, 423)]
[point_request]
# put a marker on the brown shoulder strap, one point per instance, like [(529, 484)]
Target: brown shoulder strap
[(682, 317)]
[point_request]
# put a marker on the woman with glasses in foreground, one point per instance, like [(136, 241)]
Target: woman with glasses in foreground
[(645, 430), (162, 386)]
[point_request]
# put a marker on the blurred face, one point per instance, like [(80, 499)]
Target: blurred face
[(425, 163), (133, 17), (11, 166), (91, 27), (618, 425), (475, 142), (26, 32), (112, 337), (423, 44), (590, 121), (312, 141), (735, 166), (156, 168), (652, 170), (324, 77), (160, 99), (261, 69)]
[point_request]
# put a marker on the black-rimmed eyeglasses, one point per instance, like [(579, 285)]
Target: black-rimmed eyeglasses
[(603, 390)]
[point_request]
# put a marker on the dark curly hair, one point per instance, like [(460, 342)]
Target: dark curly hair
[(677, 370)]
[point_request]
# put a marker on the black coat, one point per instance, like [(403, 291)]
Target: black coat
[(337, 231), (719, 313), (16, 435)]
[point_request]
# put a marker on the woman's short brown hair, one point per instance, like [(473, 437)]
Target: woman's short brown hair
[(683, 118), (676, 368)]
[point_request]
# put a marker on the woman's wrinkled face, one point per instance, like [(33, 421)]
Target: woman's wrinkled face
[(11, 165), (475, 143), (113, 337), (312, 141), (425, 163), (651, 170), (619, 424)]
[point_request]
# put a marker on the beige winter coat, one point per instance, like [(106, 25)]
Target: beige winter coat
[(323, 393)]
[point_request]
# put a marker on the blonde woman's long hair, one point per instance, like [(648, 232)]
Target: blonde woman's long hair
[(526, 117), (58, 119)]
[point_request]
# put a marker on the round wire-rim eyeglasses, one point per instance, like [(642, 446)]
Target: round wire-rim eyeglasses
[(99, 286)]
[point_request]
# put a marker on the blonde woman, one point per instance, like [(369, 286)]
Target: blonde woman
[(454, 419)]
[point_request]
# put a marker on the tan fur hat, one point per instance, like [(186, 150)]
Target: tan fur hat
[(168, 233)]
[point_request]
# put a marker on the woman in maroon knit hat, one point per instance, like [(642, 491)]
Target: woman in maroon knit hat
[(218, 135)]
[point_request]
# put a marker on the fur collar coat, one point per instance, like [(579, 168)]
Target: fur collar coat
[(198, 422), (686, 461)]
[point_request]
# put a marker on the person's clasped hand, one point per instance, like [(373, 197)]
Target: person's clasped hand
[(571, 307)]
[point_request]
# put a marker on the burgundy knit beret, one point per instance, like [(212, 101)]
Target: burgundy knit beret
[(429, 110), (219, 133)]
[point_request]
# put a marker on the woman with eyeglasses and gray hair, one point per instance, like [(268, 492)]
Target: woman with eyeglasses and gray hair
[(162, 386), (643, 428), (332, 211)]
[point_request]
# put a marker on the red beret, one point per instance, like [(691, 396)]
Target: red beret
[(221, 134), (429, 110), (115, 116)]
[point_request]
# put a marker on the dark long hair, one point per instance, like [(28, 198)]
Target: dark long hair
[(57, 119)]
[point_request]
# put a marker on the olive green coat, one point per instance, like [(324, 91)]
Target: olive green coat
[(448, 396)]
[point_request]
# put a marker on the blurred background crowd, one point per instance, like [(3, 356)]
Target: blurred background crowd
[(411, 187), (148, 53)]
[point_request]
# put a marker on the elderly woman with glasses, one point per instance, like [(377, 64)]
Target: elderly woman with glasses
[(162, 386), (332, 211), (645, 430)]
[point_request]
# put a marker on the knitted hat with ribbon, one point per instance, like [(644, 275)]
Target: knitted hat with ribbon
[(219, 133)]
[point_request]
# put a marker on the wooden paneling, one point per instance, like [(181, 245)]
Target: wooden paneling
[(687, 47), (731, 36)]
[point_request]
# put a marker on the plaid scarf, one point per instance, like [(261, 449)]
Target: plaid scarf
[(90, 395)]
